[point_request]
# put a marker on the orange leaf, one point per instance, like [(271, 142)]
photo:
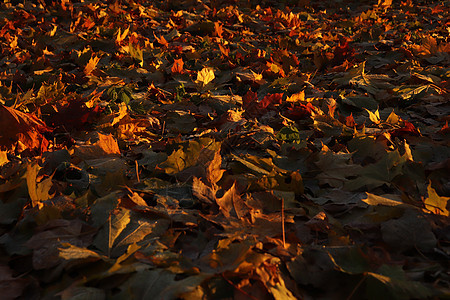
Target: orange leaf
[(162, 41), (445, 129), (92, 64), (177, 66), (22, 128), (105, 145), (224, 51), (218, 29)]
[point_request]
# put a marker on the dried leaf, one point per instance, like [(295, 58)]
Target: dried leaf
[(435, 203), (91, 65), (23, 129), (205, 76)]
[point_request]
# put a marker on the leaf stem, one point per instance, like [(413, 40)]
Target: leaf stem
[(137, 171), (282, 222)]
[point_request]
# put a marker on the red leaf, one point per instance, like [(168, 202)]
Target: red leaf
[(75, 115), (445, 129), (271, 99), (299, 112), (249, 98), (349, 121), (408, 129), (342, 52)]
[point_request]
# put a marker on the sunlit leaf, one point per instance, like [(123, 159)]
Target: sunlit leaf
[(224, 150), (436, 203), (374, 116), (91, 65), (205, 76), (38, 191), (115, 224)]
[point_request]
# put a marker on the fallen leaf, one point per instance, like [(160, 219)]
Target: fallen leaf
[(91, 65), (205, 76), (177, 67), (99, 146), (435, 203), (24, 129)]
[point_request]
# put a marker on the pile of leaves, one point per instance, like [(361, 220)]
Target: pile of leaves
[(224, 149)]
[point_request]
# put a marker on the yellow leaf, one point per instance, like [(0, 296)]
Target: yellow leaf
[(374, 117), (205, 76), (3, 158), (53, 31), (436, 203), (393, 118), (408, 152), (297, 97), (121, 36), (384, 3), (13, 44)]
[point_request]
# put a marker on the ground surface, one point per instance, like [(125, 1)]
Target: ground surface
[(224, 150)]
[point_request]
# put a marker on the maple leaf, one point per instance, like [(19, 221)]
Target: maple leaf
[(38, 191), (408, 128), (221, 193), (436, 203), (350, 121), (100, 145), (205, 76), (271, 99), (91, 65), (25, 129), (298, 97), (162, 41), (74, 115), (231, 204), (374, 116), (177, 66), (384, 3), (249, 98)]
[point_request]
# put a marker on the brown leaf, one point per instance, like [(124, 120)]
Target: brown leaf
[(231, 204), (104, 145), (213, 170), (10, 287), (203, 192), (319, 222)]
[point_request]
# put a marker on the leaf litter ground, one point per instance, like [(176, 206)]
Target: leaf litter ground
[(224, 150)]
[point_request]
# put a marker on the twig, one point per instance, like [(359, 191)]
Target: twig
[(282, 222), (356, 287), (238, 288), (137, 171)]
